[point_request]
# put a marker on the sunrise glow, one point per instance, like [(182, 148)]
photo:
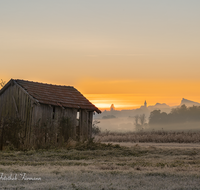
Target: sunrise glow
[(163, 91), (112, 52)]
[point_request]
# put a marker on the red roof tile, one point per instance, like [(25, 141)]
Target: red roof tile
[(66, 96)]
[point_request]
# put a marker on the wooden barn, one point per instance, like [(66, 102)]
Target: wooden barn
[(47, 113)]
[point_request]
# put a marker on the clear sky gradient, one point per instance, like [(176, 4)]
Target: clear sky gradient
[(113, 51)]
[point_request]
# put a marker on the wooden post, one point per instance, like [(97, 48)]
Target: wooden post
[(90, 119)]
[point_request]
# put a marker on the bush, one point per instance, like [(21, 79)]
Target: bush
[(95, 128)]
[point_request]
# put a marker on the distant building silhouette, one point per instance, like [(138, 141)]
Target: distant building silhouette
[(144, 107), (112, 107), (145, 104)]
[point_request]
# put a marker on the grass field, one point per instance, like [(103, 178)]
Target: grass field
[(151, 136), (103, 166)]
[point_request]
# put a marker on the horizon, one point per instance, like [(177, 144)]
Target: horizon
[(108, 108)]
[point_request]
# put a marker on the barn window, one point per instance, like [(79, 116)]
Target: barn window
[(53, 115), (77, 115), (77, 118)]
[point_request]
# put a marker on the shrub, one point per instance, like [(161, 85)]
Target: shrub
[(95, 128)]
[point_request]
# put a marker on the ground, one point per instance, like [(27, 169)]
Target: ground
[(107, 166)]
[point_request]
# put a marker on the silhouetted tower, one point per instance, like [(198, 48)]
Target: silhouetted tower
[(145, 104), (112, 107)]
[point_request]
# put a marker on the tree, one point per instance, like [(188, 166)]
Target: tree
[(139, 121), (142, 119), (2, 83), (136, 120), (95, 128), (154, 117), (180, 115)]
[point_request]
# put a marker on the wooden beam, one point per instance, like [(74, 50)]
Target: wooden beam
[(60, 105), (34, 100)]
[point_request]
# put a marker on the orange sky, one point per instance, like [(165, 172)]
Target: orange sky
[(136, 92), (114, 52)]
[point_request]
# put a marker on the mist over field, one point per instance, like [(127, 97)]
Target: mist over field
[(154, 117)]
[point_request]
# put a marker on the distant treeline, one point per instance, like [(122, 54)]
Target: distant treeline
[(181, 114)]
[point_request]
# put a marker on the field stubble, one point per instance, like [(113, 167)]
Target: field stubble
[(151, 136)]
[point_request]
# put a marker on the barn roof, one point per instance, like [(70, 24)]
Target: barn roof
[(64, 96)]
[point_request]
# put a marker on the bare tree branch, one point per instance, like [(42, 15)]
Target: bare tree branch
[(2, 83)]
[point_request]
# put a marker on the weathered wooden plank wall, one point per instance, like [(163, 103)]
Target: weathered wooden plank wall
[(15, 102), (83, 125), (13, 96), (52, 115), (71, 113)]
